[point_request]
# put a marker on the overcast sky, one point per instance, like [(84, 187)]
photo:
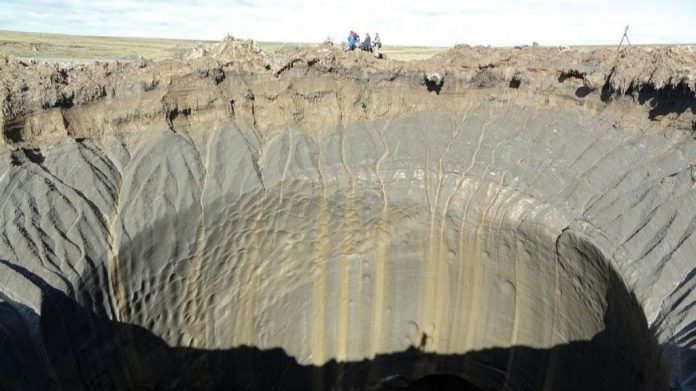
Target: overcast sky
[(402, 22)]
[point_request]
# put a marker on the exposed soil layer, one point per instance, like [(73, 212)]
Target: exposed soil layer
[(514, 219)]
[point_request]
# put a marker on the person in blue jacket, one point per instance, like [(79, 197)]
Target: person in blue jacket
[(352, 42)]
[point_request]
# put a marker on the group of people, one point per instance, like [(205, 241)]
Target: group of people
[(367, 45)]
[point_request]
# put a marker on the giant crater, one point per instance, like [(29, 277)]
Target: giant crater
[(327, 220)]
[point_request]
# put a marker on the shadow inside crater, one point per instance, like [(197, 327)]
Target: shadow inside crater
[(78, 350)]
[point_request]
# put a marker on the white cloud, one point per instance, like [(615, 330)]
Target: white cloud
[(406, 22)]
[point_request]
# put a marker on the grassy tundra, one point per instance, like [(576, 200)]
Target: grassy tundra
[(75, 47)]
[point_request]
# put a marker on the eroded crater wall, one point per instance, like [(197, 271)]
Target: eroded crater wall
[(358, 222)]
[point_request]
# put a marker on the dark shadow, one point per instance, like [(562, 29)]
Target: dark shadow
[(684, 360), (77, 349), (434, 85), (441, 383), (583, 91), (65, 102), (34, 155), (571, 74), (22, 366), (606, 94), (666, 100), (12, 130), (173, 114), (670, 99)]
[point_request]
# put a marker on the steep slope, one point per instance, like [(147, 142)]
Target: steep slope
[(520, 218)]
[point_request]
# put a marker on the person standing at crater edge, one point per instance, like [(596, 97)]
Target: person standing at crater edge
[(377, 42), (352, 42), (367, 43)]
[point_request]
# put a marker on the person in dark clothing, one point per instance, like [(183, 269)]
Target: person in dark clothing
[(367, 43)]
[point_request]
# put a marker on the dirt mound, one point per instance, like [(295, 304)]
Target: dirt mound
[(640, 73)]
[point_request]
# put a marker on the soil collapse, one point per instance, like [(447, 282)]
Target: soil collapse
[(497, 219)]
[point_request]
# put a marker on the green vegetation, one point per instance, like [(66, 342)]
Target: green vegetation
[(40, 45), (68, 47), (410, 52), (57, 46)]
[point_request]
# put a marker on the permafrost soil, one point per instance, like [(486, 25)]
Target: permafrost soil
[(512, 219)]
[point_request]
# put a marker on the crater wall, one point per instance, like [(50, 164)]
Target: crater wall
[(328, 220)]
